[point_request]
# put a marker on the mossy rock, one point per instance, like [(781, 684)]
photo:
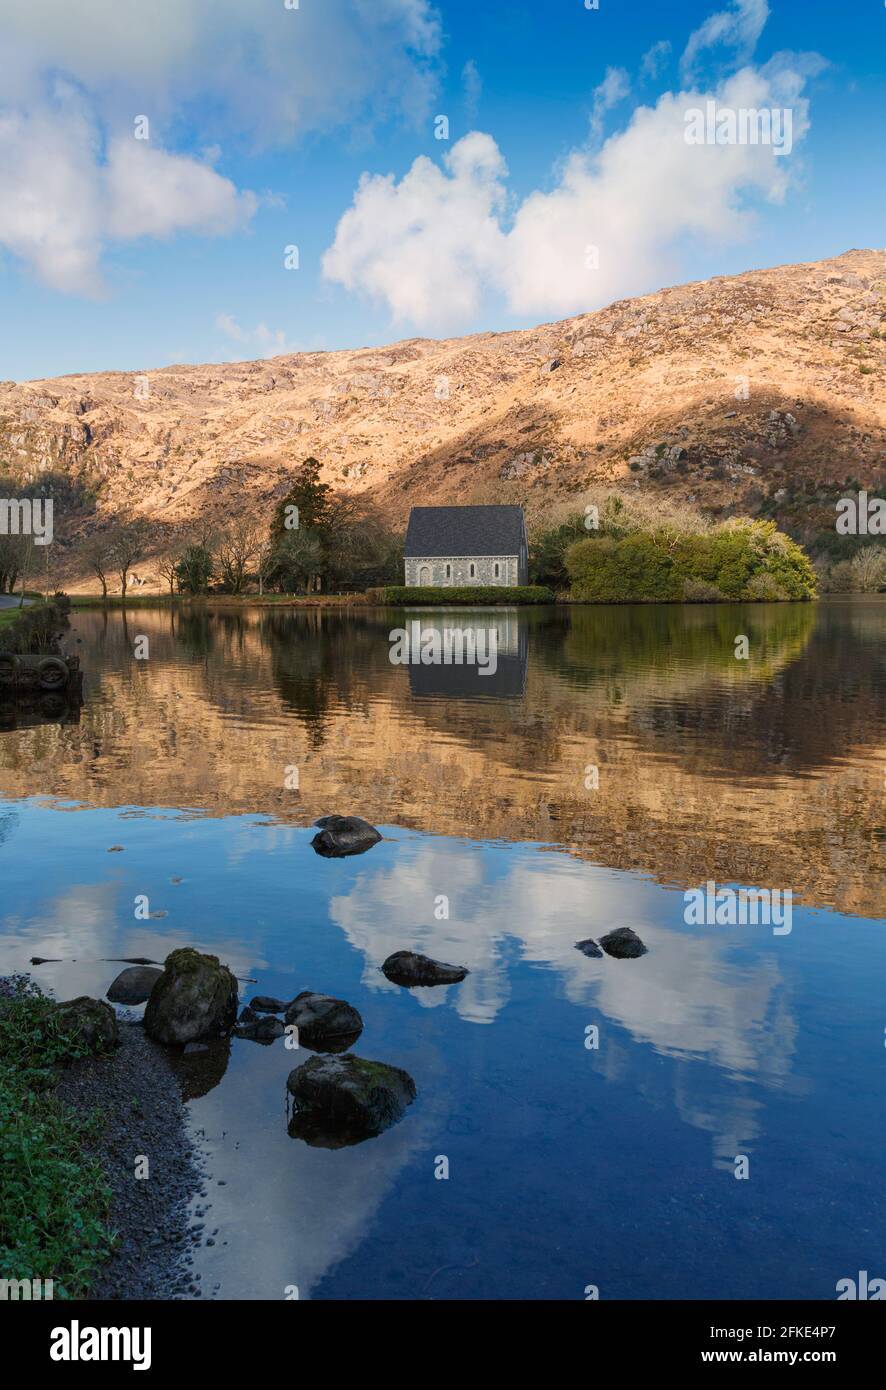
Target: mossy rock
[(194, 998), (360, 1096), (91, 1022)]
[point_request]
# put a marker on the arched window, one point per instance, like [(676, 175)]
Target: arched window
[(448, 571), (496, 570), (472, 570)]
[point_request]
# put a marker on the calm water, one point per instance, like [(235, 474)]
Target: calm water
[(568, 1166)]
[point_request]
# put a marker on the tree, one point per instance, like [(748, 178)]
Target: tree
[(237, 546), (129, 545), (297, 560), (98, 552), (305, 506), (869, 570), (168, 570), (195, 569)]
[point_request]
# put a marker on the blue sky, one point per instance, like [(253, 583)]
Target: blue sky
[(565, 132)]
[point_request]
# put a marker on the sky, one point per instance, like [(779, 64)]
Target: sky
[(217, 180)]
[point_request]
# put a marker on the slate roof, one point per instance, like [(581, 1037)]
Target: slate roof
[(440, 531)]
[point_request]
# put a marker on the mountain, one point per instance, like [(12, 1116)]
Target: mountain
[(761, 392)]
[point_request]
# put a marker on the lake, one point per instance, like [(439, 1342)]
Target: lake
[(593, 1112)]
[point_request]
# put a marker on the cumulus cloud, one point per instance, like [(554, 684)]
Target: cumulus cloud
[(428, 244), (74, 78), (616, 222)]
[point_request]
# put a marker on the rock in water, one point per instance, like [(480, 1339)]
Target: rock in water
[(408, 968), (341, 835), (265, 1030), (361, 1097), (90, 1021), (133, 986), (326, 1024), (623, 943), (589, 947), (264, 1004), (194, 998)]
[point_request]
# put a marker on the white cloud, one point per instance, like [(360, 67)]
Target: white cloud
[(434, 244), (267, 342), (738, 28), (152, 193), (654, 59), (472, 88), (428, 244), (614, 88), (73, 79)]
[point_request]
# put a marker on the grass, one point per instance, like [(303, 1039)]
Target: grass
[(53, 1198)]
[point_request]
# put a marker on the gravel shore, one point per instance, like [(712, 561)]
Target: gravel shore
[(140, 1099)]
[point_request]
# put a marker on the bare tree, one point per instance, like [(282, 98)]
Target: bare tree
[(869, 569), (130, 543), (168, 570), (98, 552), (237, 545)]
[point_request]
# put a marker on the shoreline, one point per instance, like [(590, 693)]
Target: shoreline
[(143, 1118), (118, 1120)]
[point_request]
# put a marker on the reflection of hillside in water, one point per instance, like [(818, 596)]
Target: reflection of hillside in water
[(763, 771)]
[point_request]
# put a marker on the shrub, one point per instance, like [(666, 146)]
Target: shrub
[(474, 594), (699, 591), (38, 629), (739, 560)]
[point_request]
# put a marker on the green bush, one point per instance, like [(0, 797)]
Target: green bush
[(741, 560), (398, 594), (54, 1198)]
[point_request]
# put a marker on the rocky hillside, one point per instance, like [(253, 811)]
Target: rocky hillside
[(758, 392)]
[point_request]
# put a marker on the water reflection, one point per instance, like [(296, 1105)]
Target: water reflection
[(717, 1042), (758, 771)]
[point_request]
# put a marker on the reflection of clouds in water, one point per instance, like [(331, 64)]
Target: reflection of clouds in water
[(346, 1186), (275, 837), (684, 998), (84, 926)]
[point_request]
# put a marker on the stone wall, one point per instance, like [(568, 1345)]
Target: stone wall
[(455, 570)]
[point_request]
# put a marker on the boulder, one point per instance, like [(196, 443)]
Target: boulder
[(341, 835), (408, 968), (195, 998), (89, 1021), (264, 1004), (133, 986), (359, 1096), (589, 947), (266, 1030), (325, 1024), (623, 943)]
